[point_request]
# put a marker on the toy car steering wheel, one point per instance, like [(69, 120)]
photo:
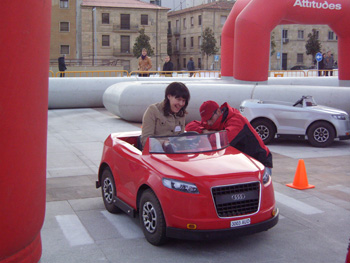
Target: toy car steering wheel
[(300, 101)]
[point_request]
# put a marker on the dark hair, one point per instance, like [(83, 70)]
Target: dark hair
[(178, 90)]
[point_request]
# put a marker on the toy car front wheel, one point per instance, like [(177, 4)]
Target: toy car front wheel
[(321, 134), (152, 219), (109, 191), (265, 129)]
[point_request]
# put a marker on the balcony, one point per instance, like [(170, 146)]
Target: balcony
[(176, 32), (118, 53), (131, 29)]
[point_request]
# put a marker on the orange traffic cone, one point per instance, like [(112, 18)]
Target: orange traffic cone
[(300, 179)]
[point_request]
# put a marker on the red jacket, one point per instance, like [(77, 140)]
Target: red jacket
[(240, 133)]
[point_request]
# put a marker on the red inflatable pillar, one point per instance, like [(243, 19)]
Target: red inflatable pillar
[(227, 38), (24, 60)]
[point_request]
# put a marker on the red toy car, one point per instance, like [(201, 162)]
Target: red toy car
[(190, 186)]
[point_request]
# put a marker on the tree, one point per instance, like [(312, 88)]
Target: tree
[(142, 41), (313, 45), (208, 43)]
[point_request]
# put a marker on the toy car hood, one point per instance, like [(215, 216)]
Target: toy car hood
[(221, 163)]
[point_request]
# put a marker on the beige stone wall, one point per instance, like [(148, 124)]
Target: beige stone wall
[(211, 19), (63, 38), (295, 45), (156, 30)]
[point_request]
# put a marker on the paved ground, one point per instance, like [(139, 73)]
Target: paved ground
[(314, 224)]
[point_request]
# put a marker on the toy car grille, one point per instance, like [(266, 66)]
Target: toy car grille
[(236, 200)]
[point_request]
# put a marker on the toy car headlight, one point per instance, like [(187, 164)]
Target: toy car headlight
[(267, 174), (339, 117), (180, 186)]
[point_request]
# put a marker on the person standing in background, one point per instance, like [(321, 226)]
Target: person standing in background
[(168, 66), (190, 66), (145, 63), (62, 65), (329, 63)]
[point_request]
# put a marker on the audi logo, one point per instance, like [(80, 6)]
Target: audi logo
[(238, 197)]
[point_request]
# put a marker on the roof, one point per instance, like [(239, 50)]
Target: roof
[(121, 4), (218, 5)]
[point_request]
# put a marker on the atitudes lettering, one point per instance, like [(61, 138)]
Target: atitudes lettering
[(314, 4)]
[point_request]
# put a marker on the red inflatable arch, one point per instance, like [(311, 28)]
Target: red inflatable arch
[(246, 34)]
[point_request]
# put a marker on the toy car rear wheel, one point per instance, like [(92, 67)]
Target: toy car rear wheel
[(152, 219), (265, 129), (109, 191), (321, 134)]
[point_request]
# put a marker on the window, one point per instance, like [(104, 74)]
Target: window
[(64, 4), (300, 34), (64, 26), (64, 49), (192, 21), (223, 20), (184, 42), (199, 63), (105, 40), (184, 60), (300, 58), (199, 41), (192, 42), (125, 44), (177, 26), (125, 21), (317, 34), (285, 34), (184, 23), (144, 20), (169, 28), (177, 44), (200, 20), (105, 18), (330, 35)]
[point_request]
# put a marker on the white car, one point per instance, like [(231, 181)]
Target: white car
[(304, 119)]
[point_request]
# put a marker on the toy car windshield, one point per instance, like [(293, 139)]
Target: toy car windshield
[(188, 143), (309, 101)]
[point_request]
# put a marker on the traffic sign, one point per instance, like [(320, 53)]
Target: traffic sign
[(216, 58), (319, 57)]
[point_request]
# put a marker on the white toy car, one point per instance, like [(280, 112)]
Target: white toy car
[(304, 119)]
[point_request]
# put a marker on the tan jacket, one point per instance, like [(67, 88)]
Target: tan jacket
[(155, 123), (145, 64)]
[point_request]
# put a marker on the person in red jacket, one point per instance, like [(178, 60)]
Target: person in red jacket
[(240, 132)]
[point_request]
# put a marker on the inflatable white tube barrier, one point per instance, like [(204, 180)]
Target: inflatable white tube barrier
[(129, 100)]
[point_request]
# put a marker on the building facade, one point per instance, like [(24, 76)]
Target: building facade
[(185, 28), (63, 29), (109, 31), (176, 5), (102, 32), (290, 41)]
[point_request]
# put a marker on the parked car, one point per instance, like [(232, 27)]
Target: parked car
[(304, 119), (190, 186), (299, 67)]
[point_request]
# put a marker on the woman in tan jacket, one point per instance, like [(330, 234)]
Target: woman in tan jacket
[(166, 117), (145, 63)]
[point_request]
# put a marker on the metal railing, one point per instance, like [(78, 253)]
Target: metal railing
[(303, 73), (197, 74), (94, 73)]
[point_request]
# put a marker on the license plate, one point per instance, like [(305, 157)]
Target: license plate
[(240, 222)]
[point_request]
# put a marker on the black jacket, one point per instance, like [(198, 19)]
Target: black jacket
[(61, 64), (168, 66)]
